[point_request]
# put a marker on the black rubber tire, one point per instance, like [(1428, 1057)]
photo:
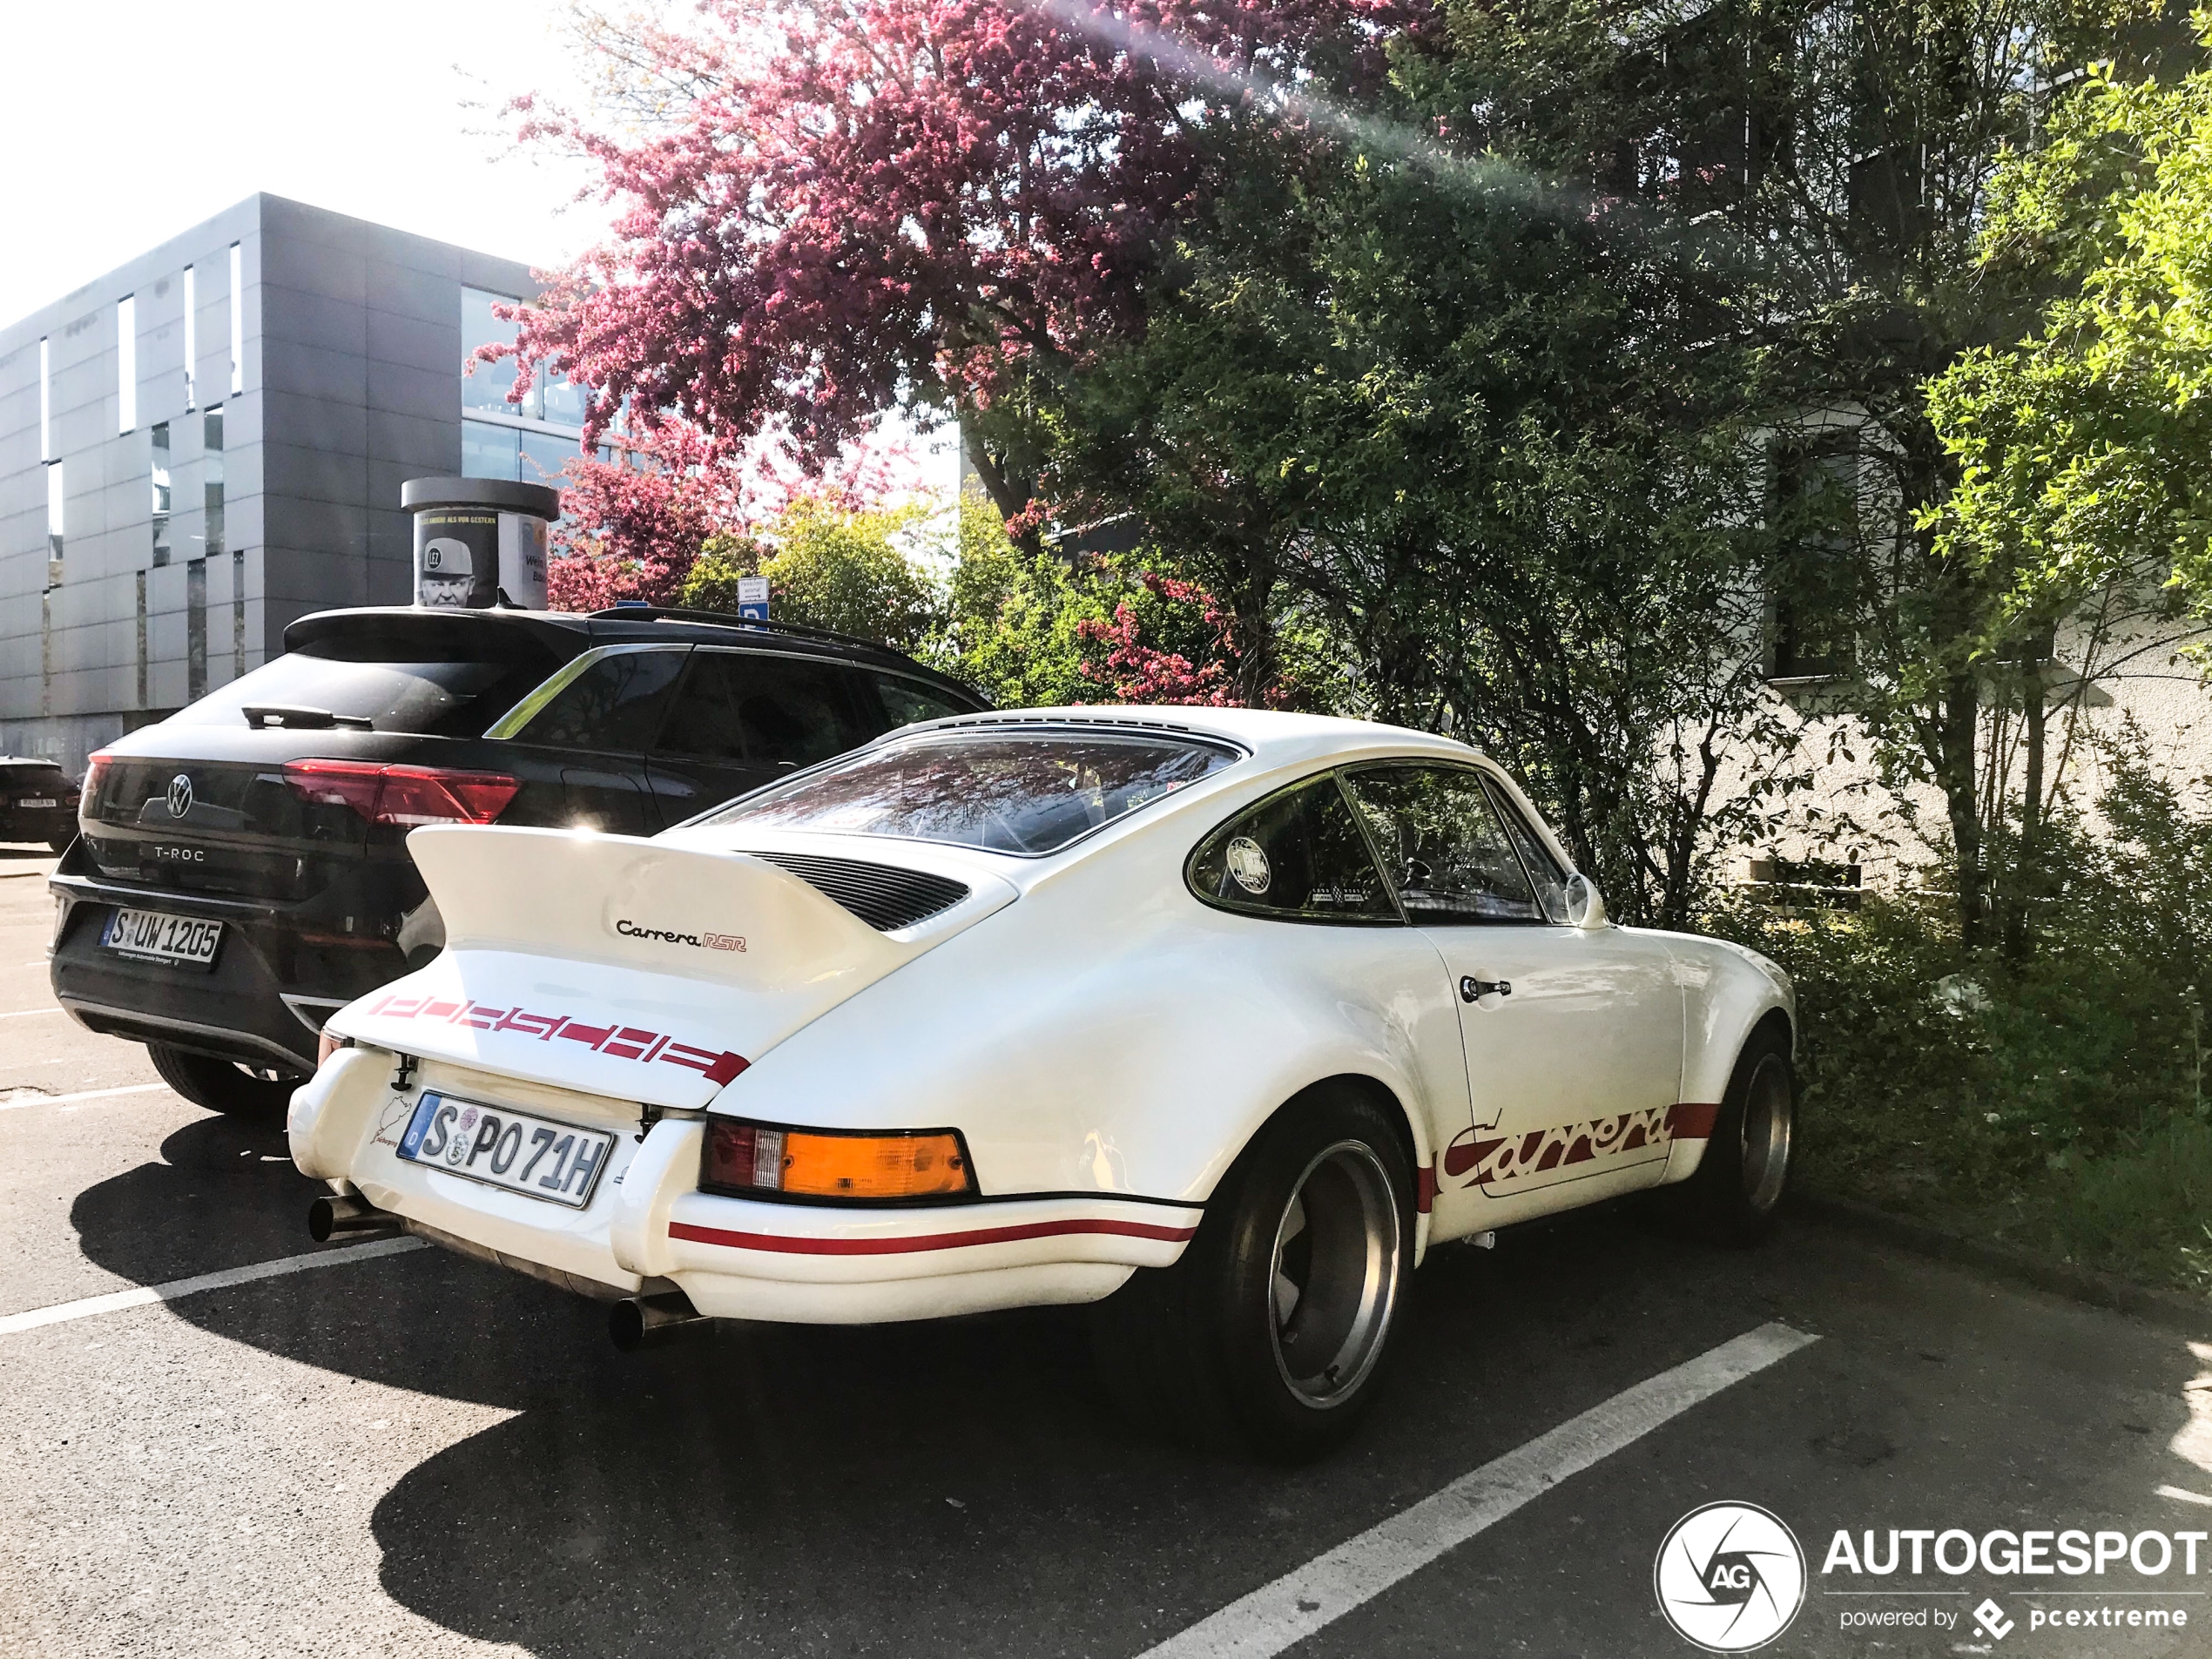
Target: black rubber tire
[(224, 1085), (1192, 1350), (1737, 1193)]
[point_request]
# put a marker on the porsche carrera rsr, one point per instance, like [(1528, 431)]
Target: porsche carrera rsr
[(1219, 1020)]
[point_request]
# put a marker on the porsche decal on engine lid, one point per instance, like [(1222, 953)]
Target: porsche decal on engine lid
[(615, 1040)]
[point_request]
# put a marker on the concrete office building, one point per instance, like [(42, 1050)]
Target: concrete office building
[(209, 441)]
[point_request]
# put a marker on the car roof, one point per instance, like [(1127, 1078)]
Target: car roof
[(564, 634), (1273, 737)]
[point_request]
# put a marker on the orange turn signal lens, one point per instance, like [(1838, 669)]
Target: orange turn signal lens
[(747, 1160)]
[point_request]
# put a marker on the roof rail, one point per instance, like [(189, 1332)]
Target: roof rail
[(731, 619)]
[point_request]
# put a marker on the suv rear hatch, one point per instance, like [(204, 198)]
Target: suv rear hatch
[(213, 800)]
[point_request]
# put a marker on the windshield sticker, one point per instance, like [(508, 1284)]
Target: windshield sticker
[(618, 1041), (1249, 865)]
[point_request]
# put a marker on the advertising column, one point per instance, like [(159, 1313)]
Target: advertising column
[(480, 542)]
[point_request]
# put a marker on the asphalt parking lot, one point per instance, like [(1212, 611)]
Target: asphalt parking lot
[(401, 1452)]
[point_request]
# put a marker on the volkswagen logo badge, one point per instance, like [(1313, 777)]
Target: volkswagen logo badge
[(179, 795)]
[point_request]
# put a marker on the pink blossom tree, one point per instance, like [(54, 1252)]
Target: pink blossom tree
[(846, 205)]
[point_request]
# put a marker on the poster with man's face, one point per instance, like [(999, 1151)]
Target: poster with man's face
[(472, 557), (456, 557)]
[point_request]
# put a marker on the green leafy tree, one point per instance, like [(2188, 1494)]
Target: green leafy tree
[(829, 566), (2083, 449)]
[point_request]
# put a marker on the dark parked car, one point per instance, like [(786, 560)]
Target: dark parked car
[(243, 871), (37, 802)]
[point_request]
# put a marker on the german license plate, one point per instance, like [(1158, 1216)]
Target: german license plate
[(503, 1148), (38, 800), (184, 940)]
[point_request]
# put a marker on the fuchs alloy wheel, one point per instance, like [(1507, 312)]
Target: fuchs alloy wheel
[(1739, 1185), (1333, 1284), (224, 1085), (1275, 1330)]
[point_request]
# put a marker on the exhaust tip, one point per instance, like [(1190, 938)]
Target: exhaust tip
[(647, 1321), (330, 1217)]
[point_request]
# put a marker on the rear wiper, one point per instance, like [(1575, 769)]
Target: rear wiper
[(295, 717)]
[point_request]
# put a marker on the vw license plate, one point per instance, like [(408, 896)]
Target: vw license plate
[(502, 1148), (38, 800), (185, 941)]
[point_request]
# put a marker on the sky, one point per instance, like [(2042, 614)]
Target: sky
[(127, 122)]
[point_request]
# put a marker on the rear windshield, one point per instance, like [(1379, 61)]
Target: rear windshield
[(1002, 791), (446, 698)]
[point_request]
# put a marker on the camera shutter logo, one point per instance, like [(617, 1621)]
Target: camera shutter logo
[(1729, 1577), (179, 795)]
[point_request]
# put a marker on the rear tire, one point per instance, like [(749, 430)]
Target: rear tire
[(63, 845), (229, 1086), (1744, 1175), (1274, 1332)]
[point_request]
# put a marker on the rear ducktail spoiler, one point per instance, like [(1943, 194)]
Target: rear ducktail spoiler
[(619, 966)]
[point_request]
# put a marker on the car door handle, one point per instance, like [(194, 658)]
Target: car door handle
[(1471, 987)]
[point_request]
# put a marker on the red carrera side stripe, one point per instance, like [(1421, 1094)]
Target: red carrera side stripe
[(1425, 1185), (785, 1243), (1692, 1120)]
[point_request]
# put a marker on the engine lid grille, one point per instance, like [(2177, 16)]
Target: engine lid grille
[(881, 896)]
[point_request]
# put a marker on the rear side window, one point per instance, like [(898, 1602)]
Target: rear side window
[(1443, 846), (1027, 792), (752, 706), (906, 702), (446, 698), (1298, 856), (617, 702)]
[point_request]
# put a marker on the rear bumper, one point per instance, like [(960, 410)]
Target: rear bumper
[(647, 1225), (276, 974)]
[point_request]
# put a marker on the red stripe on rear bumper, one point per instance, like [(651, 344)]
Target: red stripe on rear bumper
[(1692, 1120), (786, 1244)]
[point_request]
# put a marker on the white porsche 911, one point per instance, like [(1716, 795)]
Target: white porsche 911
[(1216, 1017)]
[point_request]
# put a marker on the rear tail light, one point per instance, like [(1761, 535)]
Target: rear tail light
[(403, 795), (96, 767), (750, 1160)]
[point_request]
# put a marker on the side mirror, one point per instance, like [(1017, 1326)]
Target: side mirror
[(1585, 904)]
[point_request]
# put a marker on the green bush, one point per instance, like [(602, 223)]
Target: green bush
[(2054, 1098)]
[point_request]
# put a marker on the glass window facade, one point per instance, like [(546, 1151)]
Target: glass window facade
[(55, 515), (237, 319), (191, 340), (126, 362), (485, 386), (531, 439), (211, 480), (489, 451), (545, 454), (45, 399), (160, 475)]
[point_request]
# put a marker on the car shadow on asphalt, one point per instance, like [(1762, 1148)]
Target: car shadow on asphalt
[(955, 1487), (225, 1194), (964, 1487)]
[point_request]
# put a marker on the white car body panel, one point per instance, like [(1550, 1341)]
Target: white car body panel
[(1106, 1041)]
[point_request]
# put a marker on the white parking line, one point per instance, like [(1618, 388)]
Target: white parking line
[(1274, 1616), (145, 1295), (81, 1094), (24, 1014)]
